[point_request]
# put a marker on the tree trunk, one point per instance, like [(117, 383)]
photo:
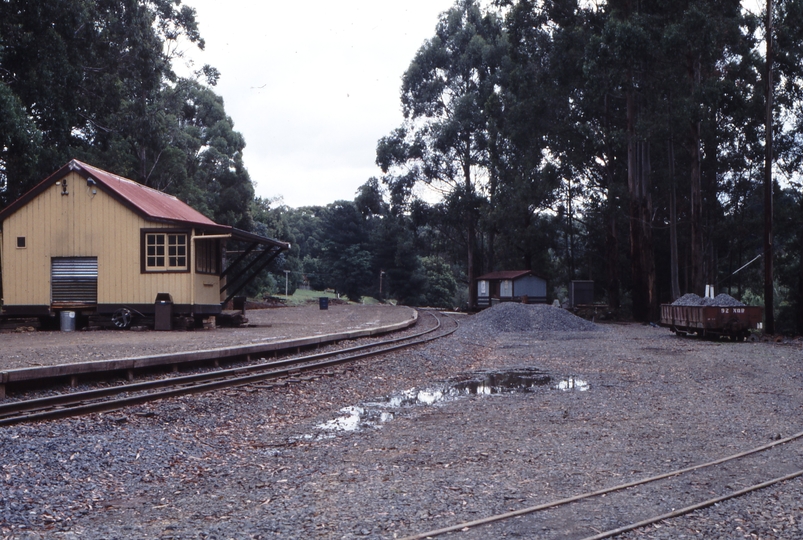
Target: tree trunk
[(612, 240), (673, 224), (648, 258), (635, 239), (800, 278), (570, 232), (642, 264), (697, 261), (769, 315), (470, 226), (472, 286), (612, 255)]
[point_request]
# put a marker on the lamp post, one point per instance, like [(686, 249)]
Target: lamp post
[(286, 274), (381, 274)]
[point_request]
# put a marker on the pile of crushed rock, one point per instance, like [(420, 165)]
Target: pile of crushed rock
[(721, 300), (515, 317)]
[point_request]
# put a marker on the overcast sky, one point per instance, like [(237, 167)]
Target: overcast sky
[(312, 85)]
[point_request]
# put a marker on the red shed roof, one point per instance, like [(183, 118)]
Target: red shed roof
[(507, 274)]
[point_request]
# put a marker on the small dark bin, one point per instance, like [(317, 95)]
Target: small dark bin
[(323, 302), (163, 312)]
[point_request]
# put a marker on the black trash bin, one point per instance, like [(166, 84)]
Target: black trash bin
[(323, 302), (163, 312)]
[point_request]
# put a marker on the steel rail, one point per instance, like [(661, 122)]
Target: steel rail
[(693, 507), (621, 487), (80, 403), (66, 399)]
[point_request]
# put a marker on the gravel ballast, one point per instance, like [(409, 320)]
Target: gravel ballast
[(623, 403), (720, 300)]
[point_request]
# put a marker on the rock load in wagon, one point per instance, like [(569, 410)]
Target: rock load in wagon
[(721, 300), (514, 317)]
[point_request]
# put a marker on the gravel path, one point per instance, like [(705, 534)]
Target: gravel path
[(622, 402), (266, 325)]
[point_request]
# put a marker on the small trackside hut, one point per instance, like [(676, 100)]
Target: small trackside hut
[(89, 241), (510, 286)]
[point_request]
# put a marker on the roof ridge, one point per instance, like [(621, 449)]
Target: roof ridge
[(148, 201), (87, 167)]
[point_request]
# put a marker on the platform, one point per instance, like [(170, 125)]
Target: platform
[(28, 356)]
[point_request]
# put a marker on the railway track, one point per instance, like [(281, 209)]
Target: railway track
[(684, 490), (118, 397)]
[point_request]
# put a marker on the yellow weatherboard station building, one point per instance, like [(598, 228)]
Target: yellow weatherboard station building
[(90, 241)]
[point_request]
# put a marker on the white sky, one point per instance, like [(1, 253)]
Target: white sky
[(312, 85)]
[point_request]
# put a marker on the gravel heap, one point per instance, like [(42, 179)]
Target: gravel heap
[(721, 300), (514, 317)]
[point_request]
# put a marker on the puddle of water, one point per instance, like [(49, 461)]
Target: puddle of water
[(504, 382), (350, 421), (571, 384), (374, 413)]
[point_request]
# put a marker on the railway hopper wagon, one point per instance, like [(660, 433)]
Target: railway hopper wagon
[(734, 322)]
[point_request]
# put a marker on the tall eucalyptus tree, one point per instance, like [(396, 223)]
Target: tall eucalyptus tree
[(444, 140)]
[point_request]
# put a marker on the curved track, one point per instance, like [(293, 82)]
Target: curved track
[(736, 469), (109, 399)]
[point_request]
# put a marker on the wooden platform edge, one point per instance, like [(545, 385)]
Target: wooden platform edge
[(28, 374)]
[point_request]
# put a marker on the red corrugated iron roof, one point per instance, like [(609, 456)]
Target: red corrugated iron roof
[(150, 202), (153, 205), (506, 274)]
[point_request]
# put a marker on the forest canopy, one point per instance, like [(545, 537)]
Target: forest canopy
[(620, 141)]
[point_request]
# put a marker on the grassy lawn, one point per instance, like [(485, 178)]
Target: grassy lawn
[(302, 297)]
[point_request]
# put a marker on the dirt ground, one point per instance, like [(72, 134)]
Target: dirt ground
[(43, 348)]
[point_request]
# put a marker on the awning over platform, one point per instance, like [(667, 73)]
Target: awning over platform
[(256, 254)]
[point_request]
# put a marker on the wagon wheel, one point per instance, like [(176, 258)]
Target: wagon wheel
[(122, 318), (677, 332)]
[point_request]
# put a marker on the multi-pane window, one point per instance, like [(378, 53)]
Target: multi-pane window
[(177, 250), (165, 251)]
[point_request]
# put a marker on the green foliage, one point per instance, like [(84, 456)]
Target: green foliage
[(345, 261), (440, 285), (362, 249), (447, 95), (19, 139), (93, 80)]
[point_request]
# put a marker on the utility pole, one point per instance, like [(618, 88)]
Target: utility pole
[(769, 312), (286, 274)]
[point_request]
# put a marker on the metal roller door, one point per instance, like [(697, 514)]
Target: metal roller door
[(74, 281)]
